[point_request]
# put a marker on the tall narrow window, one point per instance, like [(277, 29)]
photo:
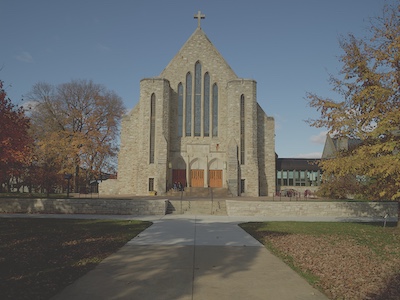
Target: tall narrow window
[(197, 99), (180, 109), (279, 177), (242, 131), (206, 105), (152, 127), (188, 125), (285, 177), (151, 184), (242, 186), (215, 110), (291, 178)]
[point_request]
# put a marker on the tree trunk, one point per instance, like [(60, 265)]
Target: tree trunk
[(76, 179)]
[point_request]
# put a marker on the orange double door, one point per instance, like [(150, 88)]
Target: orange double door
[(215, 177), (197, 177)]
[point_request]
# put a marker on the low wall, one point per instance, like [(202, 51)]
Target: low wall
[(233, 207), (205, 207), (84, 206), (312, 209)]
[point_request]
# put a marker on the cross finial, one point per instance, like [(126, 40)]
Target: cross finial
[(199, 16)]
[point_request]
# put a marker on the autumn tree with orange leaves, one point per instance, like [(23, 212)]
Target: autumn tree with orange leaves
[(76, 127), (15, 142), (368, 109)]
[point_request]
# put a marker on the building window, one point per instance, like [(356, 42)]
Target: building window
[(180, 109), (152, 127), (215, 110), (188, 116), (151, 184), (242, 186), (242, 131), (278, 177), (291, 175), (284, 178), (314, 178), (198, 105), (206, 104), (298, 178), (197, 99)]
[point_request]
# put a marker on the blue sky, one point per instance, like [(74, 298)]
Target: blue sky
[(288, 46)]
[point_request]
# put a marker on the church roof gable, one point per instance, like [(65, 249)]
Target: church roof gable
[(198, 48)]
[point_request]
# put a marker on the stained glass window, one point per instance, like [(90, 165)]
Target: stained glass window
[(197, 100), (215, 110), (152, 127), (188, 130), (180, 109), (206, 104), (242, 130)]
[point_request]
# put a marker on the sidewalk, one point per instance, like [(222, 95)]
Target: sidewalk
[(191, 257)]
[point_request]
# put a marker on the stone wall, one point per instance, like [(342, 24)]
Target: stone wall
[(312, 209), (203, 151), (233, 207), (84, 206), (110, 187), (249, 169), (216, 208), (267, 160)]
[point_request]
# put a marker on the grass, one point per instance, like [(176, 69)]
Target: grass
[(39, 257), (344, 260), (372, 235)]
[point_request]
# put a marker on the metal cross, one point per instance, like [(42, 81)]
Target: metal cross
[(199, 16)]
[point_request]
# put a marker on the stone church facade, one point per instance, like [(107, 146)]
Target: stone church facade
[(199, 124)]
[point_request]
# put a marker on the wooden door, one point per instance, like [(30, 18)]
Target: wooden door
[(197, 178), (215, 178), (179, 175)]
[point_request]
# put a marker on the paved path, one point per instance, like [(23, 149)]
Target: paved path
[(191, 257)]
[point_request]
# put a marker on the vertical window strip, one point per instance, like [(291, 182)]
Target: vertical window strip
[(197, 100), (242, 130), (151, 184), (180, 110), (188, 125), (152, 127), (215, 110), (206, 121)]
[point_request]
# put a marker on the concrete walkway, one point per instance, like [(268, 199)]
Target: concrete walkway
[(191, 257)]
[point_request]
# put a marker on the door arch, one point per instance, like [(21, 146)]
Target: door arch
[(197, 178), (179, 171), (215, 173), (197, 167)]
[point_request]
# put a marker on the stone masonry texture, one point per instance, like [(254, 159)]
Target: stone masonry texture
[(176, 152)]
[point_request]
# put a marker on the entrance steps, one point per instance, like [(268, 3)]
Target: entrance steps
[(197, 207), (201, 192)]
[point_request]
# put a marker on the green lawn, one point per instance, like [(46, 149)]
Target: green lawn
[(344, 260), (39, 257)]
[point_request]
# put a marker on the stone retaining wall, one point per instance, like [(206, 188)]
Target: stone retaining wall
[(312, 209), (84, 206), (206, 207), (233, 207)]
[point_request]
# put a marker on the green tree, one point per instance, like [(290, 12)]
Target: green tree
[(76, 126), (369, 108), (15, 143)]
